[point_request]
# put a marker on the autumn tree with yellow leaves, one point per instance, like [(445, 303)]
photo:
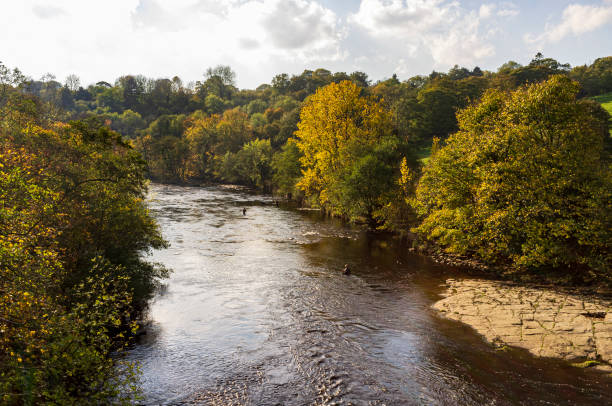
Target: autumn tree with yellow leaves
[(350, 153)]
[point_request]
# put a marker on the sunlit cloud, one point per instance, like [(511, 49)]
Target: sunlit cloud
[(577, 19), (445, 30)]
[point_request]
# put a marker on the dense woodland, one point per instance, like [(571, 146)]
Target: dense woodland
[(211, 131), (512, 168)]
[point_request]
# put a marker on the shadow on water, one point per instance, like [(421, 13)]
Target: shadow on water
[(257, 312)]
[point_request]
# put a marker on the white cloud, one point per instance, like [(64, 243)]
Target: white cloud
[(47, 11), (504, 10), (101, 40), (149, 14), (463, 43), (576, 19), (486, 10), (399, 17), (295, 28), (297, 24), (446, 31), (508, 9), (248, 43)]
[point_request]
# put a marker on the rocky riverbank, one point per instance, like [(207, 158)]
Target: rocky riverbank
[(546, 322)]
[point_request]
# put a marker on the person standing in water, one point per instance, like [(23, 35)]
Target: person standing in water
[(244, 211), (346, 270)]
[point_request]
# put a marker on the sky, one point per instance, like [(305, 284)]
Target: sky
[(104, 39)]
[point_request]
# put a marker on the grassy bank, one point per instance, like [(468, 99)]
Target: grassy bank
[(606, 102)]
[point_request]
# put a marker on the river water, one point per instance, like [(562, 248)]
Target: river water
[(257, 312)]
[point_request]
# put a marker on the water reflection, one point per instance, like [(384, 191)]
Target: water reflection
[(258, 311)]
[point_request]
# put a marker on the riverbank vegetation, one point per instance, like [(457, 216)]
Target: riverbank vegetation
[(73, 226)]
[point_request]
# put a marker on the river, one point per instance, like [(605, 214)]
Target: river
[(257, 312)]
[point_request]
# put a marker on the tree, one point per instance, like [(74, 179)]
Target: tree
[(202, 136), (82, 94), (254, 160), (214, 104), (524, 183), (172, 125), (369, 180), (360, 78), (337, 129), (159, 99), (287, 127), (286, 103), (72, 82), (281, 82), (224, 72), (173, 155), (66, 101), (234, 130), (220, 81), (438, 105), (127, 123), (258, 120), (595, 79), (287, 169), (457, 73), (549, 63), (509, 67), (250, 166), (539, 69), (133, 91), (110, 98), (256, 106), (9, 79)]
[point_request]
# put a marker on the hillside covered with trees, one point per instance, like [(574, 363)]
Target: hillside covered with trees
[(206, 130), (336, 141)]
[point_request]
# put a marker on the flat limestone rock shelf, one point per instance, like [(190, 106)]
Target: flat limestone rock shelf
[(545, 322)]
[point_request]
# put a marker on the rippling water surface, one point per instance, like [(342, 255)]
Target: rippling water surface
[(257, 312)]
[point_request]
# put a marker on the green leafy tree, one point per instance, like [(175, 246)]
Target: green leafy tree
[(111, 99), (214, 104), (249, 166), (524, 183), (256, 106), (287, 169)]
